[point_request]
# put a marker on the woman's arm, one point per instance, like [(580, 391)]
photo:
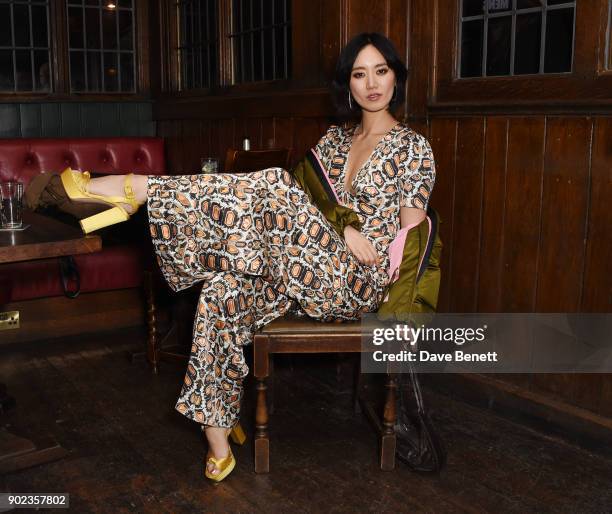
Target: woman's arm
[(411, 215)]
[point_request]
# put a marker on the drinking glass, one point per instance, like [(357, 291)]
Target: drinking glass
[(209, 164), (11, 195)]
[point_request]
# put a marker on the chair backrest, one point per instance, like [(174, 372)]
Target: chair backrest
[(237, 161)]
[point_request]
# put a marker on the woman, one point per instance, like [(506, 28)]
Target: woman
[(262, 249)]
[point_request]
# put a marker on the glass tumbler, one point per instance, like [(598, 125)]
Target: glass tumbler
[(11, 195)]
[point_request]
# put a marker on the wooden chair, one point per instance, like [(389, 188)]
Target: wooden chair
[(238, 161), (292, 334)]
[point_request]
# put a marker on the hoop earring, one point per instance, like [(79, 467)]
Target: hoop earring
[(394, 97), (349, 101)]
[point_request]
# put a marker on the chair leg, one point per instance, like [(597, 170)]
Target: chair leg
[(388, 441), (270, 387), (262, 441), (152, 343)]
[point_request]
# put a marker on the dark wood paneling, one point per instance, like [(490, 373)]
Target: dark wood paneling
[(563, 234), (564, 214), (492, 243), (467, 211), (597, 288), (523, 199), (443, 136)]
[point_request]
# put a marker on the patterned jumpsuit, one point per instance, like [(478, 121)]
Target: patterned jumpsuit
[(260, 249)]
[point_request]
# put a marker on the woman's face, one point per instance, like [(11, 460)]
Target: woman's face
[(372, 80)]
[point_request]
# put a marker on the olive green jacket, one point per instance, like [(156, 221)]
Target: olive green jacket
[(415, 282)]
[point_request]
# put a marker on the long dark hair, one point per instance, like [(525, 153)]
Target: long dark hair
[(342, 78)]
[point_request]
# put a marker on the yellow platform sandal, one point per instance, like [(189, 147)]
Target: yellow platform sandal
[(75, 183), (226, 465)]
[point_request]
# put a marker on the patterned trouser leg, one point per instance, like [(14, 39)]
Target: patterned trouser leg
[(260, 249)]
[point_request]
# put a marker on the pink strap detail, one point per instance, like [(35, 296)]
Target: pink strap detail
[(396, 250)]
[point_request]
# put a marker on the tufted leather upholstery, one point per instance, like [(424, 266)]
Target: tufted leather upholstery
[(115, 267), (22, 159)]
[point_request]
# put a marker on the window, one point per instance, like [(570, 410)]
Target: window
[(24, 46), (261, 40), (252, 36), (198, 43), (63, 47), (516, 37), (101, 46)]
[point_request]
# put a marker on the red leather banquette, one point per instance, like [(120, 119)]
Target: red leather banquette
[(115, 267)]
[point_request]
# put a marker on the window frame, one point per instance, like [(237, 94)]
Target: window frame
[(58, 25), (589, 78)]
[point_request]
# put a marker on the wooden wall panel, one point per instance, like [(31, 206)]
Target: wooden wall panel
[(563, 234), (492, 244), (523, 198), (443, 136), (597, 289), (367, 16), (467, 211), (564, 214)]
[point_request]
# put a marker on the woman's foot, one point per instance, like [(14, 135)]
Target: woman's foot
[(219, 459), (122, 193), (113, 185), (218, 446)]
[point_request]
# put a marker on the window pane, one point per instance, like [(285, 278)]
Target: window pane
[(527, 45), (23, 59), (472, 7), (92, 27), (471, 48), (39, 25), (94, 71), (498, 45), (495, 6), (124, 3), (556, 2), (109, 29), (75, 27), (91, 2), (6, 34), (524, 4), (559, 41), (42, 71), (127, 72), (111, 72), (125, 30), (77, 71), (22, 25), (7, 82)]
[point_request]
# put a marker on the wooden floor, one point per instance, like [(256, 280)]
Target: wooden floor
[(131, 452)]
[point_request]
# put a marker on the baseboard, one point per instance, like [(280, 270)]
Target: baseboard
[(54, 317), (538, 410)]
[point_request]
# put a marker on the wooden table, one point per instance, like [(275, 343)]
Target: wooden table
[(44, 238)]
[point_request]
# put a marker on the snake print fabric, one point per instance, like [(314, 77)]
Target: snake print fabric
[(260, 249)]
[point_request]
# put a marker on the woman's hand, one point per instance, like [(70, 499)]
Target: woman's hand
[(360, 246)]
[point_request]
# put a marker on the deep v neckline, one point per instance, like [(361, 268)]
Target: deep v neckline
[(351, 185)]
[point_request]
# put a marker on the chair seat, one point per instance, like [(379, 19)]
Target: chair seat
[(292, 324)]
